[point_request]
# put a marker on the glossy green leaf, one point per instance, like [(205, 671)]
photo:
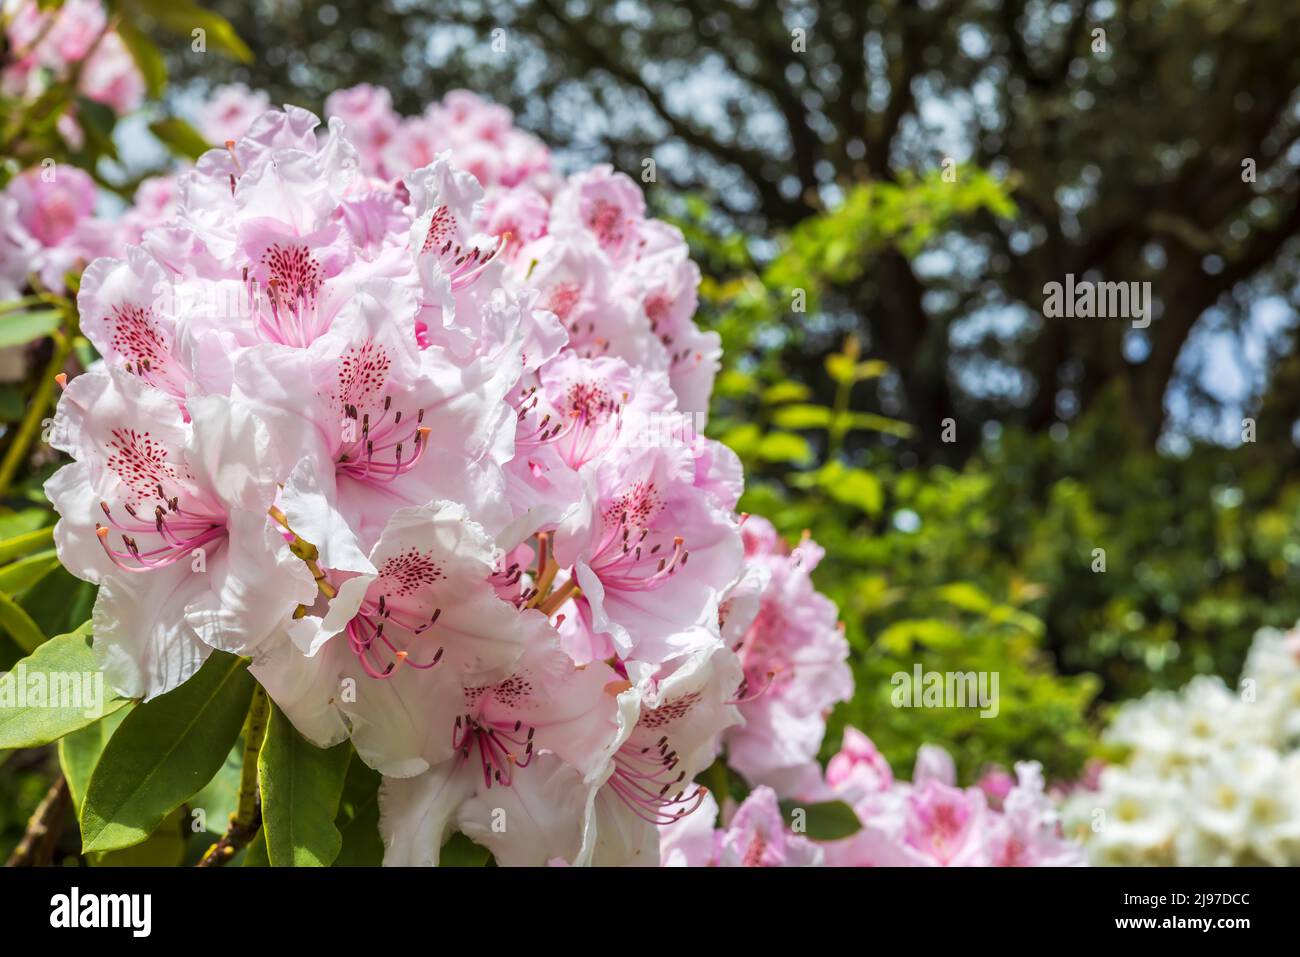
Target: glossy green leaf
[(19, 625), (181, 138), (825, 821), (25, 542), (20, 328), (787, 391), (26, 572), (855, 487), (147, 57), (358, 818), (301, 787), (254, 855), (164, 753), (183, 17), (62, 669), (784, 447), (802, 416), (79, 752), (165, 847)]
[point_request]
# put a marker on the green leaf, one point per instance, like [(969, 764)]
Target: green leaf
[(181, 138), (147, 57), (164, 848), (26, 572), (19, 625), (22, 522), (97, 121), (255, 853), (787, 391), (65, 668), (901, 636), (164, 753), (802, 417), (59, 602), (965, 596), (743, 439), (879, 423), (358, 819), (25, 543), (826, 821), (301, 788), (13, 404), (871, 369), (79, 752), (840, 368), (182, 17), (220, 797), (784, 447), (855, 487), (18, 329), (211, 808)]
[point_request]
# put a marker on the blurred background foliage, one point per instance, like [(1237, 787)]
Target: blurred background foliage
[(876, 215)]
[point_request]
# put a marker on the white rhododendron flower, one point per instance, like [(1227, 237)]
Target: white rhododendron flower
[(1211, 777)]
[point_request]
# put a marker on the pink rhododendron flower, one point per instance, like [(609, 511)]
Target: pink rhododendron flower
[(930, 821), (50, 212), (155, 203), (996, 784), (110, 76), (167, 515), (795, 661), (228, 112), (934, 763), (858, 769), (756, 836)]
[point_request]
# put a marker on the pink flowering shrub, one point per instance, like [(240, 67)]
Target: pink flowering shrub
[(932, 822), (452, 507), (73, 43), (413, 423)]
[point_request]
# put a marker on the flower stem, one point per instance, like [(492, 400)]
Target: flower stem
[(247, 819), (36, 849), (16, 454)]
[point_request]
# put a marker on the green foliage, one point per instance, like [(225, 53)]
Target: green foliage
[(824, 821), (358, 818), (301, 786), (766, 308), (79, 753), (1201, 550), (56, 671), (912, 556), (164, 753)]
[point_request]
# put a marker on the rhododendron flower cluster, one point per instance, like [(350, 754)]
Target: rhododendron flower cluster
[(48, 228), (442, 479), (415, 423), (757, 835), (932, 822), (74, 43), (49, 225), (927, 822), (1212, 775), (480, 137), (794, 655)]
